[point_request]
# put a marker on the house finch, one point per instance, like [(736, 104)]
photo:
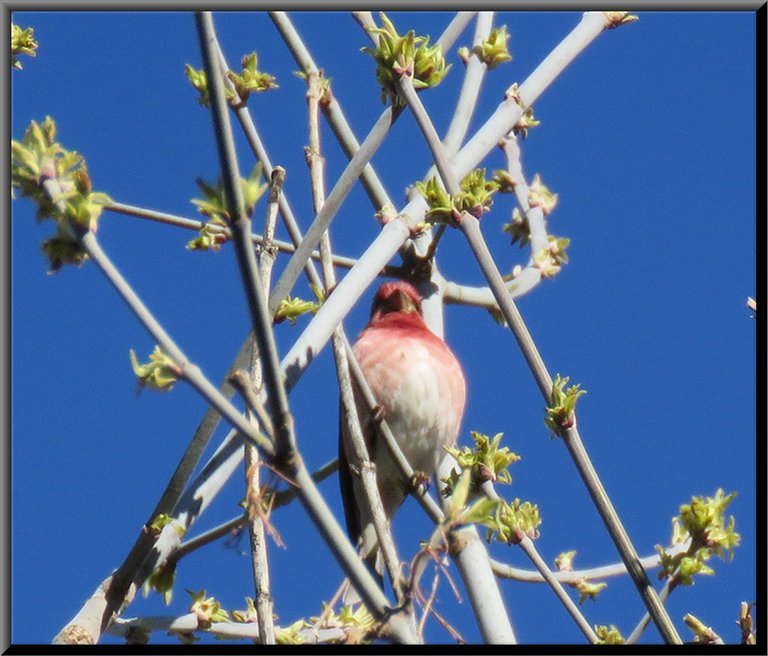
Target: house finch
[(420, 388)]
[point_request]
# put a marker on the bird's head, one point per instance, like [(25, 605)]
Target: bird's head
[(399, 297)]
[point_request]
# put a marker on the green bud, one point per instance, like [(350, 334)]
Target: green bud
[(22, 43), (493, 51), (560, 414), (608, 635), (207, 609), (291, 309), (588, 590), (160, 373)]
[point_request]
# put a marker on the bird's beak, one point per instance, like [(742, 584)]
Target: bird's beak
[(402, 302)]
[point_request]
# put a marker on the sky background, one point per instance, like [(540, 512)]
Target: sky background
[(649, 140)]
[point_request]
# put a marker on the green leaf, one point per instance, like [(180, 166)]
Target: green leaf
[(459, 495), (564, 562), (526, 121), (487, 460), (289, 635), (61, 250), (703, 634), (539, 195), (37, 158), (247, 616), (199, 81), (479, 512)]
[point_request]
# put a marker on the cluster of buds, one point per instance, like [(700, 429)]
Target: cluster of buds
[(703, 522), (505, 522), (407, 55), (475, 197), (511, 522), (585, 588), (57, 181), (488, 461), (249, 80), (551, 258)]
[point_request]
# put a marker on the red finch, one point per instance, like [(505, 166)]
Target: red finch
[(420, 387)]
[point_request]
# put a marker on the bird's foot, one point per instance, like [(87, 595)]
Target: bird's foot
[(419, 482)]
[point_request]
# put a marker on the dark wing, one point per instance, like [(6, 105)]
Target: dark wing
[(345, 484)]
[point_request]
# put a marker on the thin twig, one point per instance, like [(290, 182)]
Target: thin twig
[(193, 224), (470, 89), (527, 545), (567, 577), (257, 521), (245, 385), (531, 275), (268, 249), (199, 541)]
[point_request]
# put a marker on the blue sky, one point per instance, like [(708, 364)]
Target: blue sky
[(649, 140)]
